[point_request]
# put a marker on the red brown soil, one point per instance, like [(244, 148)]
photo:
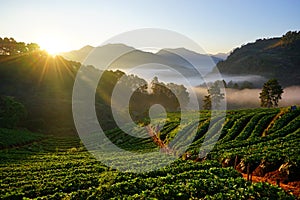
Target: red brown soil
[(271, 177)]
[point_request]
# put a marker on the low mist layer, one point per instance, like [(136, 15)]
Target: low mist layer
[(249, 98)]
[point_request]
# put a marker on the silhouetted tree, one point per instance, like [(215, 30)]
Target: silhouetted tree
[(215, 94), (171, 96), (214, 97), (180, 92), (270, 94), (32, 47), (9, 46), (290, 37)]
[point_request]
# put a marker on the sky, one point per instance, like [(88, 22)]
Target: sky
[(216, 25)]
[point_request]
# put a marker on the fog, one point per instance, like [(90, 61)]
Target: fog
[(290, 96), (249, 98), (169, 75), (236, 99)]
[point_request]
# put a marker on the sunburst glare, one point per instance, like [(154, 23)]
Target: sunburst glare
[(53, 45)]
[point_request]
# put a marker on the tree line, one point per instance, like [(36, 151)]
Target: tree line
[(171, 96), (9, 46)]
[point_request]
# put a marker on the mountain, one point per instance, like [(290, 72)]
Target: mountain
[(78, 55), (222, 56), (120, 56), (185, 57), (271, 58)]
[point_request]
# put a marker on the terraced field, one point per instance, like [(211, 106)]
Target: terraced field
[(59, 167)]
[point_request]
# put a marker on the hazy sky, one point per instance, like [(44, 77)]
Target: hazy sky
[(217, 26)]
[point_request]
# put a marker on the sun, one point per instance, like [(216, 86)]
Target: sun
[(52, 50), (52, 45)]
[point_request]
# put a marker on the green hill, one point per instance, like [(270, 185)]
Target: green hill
[(271, 58), (44, 84), (59, 167)]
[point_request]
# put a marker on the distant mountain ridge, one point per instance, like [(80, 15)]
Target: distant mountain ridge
[(131, 57), (78, 55), (223, 56), (266, 58), (271, 58)]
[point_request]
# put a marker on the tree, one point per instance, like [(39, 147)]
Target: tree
[(180, 92), (214, 97), (207, 102), (11, 112), (270, 94), (246, 85), (172, 97), (172, 94), (236, 86), (9, 46), (32, 47)]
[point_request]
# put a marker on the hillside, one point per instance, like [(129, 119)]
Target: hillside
[(271, 58), (44, 84), (78, 55), (69, 171)]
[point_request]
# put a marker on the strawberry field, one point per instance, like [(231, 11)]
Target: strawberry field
[(36, 166)]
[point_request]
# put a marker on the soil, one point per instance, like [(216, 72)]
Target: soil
[(272, 177)]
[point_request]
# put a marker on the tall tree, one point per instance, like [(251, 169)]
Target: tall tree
[(214, 97), (170, 93), (270, 94)]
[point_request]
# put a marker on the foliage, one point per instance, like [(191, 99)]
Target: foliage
[(171, 96), (290, 38), (271, 58), (10, 137), (9, 46), (214, 97), (44, 84), (271, 94), (11, 112), (45, 167), (207, 102)]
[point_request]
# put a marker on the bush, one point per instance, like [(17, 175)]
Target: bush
[(11, 112)]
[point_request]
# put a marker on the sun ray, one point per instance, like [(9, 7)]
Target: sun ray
[(44, 70)]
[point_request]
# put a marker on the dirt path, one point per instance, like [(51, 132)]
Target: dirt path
[(293, 187)]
